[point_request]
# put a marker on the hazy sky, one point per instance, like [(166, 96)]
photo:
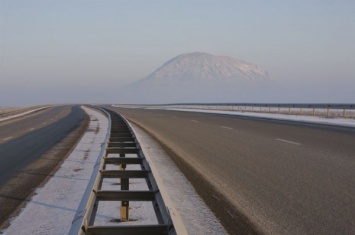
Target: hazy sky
[(55, 51)]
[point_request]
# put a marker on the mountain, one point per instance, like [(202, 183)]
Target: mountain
[(197, 77), (204, 68)]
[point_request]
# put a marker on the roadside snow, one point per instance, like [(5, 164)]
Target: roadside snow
[(186, 207), (52, 209), (22, 114), (347, 122)]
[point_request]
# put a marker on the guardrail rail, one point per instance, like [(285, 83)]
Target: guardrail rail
[(120, 141), (314, 109)]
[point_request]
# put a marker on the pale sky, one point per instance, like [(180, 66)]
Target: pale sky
[(61, 51)]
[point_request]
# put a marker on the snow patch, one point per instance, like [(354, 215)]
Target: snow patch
[(52, 209)]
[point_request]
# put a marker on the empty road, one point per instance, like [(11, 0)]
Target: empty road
[(31, 147), (262, 176)]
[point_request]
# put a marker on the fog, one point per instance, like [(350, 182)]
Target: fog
[(54, 52), (270, 92)]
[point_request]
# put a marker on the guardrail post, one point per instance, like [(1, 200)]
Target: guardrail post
[(124, 186)]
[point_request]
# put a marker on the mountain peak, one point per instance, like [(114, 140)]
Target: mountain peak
[(204, 68), (198, 77)]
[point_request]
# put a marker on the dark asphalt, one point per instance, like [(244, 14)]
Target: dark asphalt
[(284, 177), (27, 145)]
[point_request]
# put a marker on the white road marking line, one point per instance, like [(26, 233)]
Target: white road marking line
[(287, 141), (8, 138), (31, 129), (226, 127), (194, 121)]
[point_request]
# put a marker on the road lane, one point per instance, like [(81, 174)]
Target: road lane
[(303, 184), (24, 124), (35, 150), (26, 146)]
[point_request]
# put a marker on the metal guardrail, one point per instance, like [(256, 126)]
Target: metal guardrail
[(120, 139), (271, 105), (260, 107)]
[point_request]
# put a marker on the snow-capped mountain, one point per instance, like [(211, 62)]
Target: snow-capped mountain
[(198, 77), (203, 68)]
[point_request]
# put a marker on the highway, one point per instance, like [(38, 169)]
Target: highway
[(262, 176), (31, 147)]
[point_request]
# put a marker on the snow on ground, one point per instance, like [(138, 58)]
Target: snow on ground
[(178, 193), (347, 122), (140, 212), (52, 209), (22, 114)]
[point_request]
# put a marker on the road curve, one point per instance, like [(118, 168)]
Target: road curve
[(31, 147), (281, 177)]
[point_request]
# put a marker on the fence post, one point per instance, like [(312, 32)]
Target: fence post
[(124, 186), (344, 113)]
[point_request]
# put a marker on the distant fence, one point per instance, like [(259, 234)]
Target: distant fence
[(315, 109)]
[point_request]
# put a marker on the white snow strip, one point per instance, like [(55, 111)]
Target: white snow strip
[(52, 209), (8, 138), (22, 114), (346, 122), (226, 127), (289, 142), (189, 213)]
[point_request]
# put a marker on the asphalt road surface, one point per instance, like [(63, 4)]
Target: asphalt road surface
[(279, 177), (31, 147)]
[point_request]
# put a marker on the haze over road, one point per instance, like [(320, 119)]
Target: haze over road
[(286, 178)]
